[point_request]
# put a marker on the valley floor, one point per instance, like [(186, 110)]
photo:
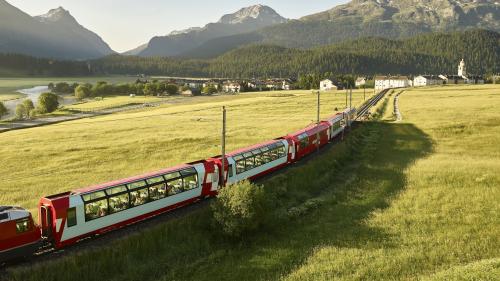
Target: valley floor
[(415, 200)]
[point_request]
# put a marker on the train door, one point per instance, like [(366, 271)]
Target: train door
[(215, 178), (46, 221)]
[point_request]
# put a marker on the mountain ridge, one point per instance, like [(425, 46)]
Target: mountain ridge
[(56, 34), (245, 20)]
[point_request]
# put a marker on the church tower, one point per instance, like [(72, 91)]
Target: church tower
[(461, 69)]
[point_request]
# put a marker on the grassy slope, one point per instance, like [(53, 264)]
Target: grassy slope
[(47, 160), (417, 201), (112, 102)]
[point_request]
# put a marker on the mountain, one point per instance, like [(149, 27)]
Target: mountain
[(385, 18), (243, 21), (434, 53), (56, 34)]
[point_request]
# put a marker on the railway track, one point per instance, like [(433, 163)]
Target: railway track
[(133, 229), (365, 108)]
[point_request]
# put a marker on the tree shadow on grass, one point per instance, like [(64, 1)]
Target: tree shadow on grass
[(372, 183)]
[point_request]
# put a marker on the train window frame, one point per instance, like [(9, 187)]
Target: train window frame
[(26, 226), (71, 217), (249, 161), (136, 185), (89, 197), (87, 217), (137, 193), (118, 196)]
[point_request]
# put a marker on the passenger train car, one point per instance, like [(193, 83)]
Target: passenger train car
[(66, 218)]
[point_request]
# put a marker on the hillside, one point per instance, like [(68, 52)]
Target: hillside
[(393, 19), (56, 34), (426, 53), (179, 43)]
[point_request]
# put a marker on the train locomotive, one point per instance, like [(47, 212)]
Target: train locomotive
[(66, 218)]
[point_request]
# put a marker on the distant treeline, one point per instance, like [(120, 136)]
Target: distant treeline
[(428, 53)]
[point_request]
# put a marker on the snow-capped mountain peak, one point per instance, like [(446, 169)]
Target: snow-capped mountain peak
[(55, 15), (257, 12)]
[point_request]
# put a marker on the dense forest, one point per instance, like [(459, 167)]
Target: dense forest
[(427, 53)]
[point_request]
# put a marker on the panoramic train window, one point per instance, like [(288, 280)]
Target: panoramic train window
[(249, 161), (71, 216), (274, 154), (157, 188), (230, 172), (190, 179), (22, 225), (259, 159), (281, 150), (266, 155), (240, 164), (96, 205), (138, 197), (119, 199)]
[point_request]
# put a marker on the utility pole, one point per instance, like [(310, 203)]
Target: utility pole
[(350, 98), (318, 140), (346, 93), (364, 92), (223, 146), (318, 111)]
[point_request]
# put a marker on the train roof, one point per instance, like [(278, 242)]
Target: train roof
[(249, 148), (130, 179), (10, 213), (310, 130)]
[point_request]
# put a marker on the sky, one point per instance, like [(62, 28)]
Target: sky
[(126, 24)]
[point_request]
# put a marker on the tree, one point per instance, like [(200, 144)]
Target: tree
[(82, 92), (240, 208), (172, 89), (29, 107), (3, 110), (20, 111), (47, 102), (210, 90), (150, 89)]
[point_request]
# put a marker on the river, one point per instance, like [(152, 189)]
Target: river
[(33, 94)]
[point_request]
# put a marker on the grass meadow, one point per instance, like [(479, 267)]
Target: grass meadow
[(47, 160), (410, 200)]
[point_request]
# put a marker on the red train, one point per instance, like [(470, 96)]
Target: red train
[(66, 218)]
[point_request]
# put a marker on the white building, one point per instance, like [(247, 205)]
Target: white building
[(462, 77), (327, 85), (361, 81), (386, 82), (231, 87), (427, 80)]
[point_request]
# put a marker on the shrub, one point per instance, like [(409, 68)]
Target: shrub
[(82, 92), (20, 111), (3, 110), (29, 107), (239, 208), (47, 102), (172, 89)]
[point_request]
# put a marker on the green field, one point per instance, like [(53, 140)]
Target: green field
[(112, 102), (409, 200), (57, 158)]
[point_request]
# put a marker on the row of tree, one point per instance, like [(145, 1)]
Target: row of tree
[(47, 103)]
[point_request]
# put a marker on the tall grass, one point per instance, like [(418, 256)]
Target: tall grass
[(47, 160), (412, 200)]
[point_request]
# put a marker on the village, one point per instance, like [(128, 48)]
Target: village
[(193, 86)]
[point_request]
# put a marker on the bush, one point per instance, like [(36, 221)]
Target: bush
[(172, 89), (239, 209), (82, 92), (29, 107), (3, 110), (20, 111), (47, 102)]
